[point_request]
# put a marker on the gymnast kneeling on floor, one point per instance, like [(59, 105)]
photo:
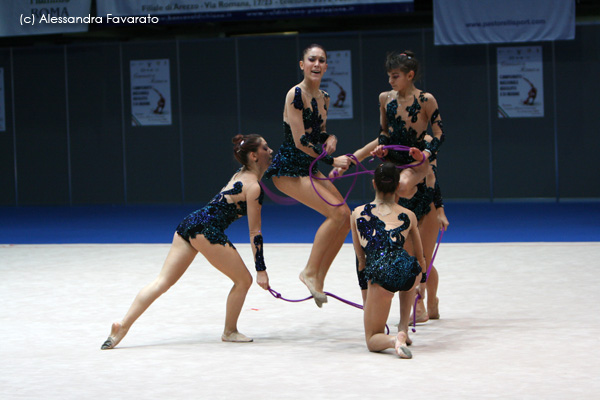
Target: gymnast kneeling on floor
[(379, 230)]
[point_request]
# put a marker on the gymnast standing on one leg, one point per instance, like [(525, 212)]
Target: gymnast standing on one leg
[(203, 232), (304, 122), (379, 231)]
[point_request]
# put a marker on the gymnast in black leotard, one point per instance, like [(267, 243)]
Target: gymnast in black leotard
[(203, 231), (379, 231), (305, 135), (406, 113)]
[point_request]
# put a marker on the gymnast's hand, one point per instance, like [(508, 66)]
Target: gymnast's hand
[(379, 152), (421, 157), (331, 144), (336, 173), (262, 279), (442, 219), (421, 289), (417, 154), (342, 162)]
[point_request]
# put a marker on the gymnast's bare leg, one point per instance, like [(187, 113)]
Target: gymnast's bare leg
[(376, 312), (179, 258), (331, 234)]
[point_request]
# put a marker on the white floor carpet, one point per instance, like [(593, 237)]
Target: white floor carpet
[(518, 321)]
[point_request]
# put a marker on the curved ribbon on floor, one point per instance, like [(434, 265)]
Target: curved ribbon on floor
[(278, 295), (418, 296)]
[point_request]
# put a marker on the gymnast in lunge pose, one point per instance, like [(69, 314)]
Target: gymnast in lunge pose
[(304, 122), (203, 231), (379, 231)]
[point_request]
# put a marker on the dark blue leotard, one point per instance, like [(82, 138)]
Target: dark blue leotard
[(212, 220), (388, 264), (290, 160), (420, 203)]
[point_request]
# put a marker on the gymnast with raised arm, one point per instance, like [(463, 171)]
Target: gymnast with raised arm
[(203, 231)]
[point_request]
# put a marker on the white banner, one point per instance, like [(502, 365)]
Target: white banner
[(2, 112), (458, 22), (180, 11), (41, 17), (520, 82), (338, 83), (150, 92)]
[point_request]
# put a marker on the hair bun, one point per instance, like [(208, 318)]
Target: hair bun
[(237, 139)]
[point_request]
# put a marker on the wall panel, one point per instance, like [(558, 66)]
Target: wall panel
[(153, 153), (523, 149), (578, 118), (7, 151), (95, 120), (41, 126), (209, 115), (459, 79)]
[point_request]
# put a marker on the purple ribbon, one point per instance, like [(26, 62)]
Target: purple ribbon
[(284, 200), (365, 170), (278, 295)]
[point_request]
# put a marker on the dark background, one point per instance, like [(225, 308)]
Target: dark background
[(69, 139)]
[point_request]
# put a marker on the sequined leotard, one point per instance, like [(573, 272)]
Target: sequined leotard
[(212, 220), (290, 160), (387, 264), (420, 203), (400, 133)]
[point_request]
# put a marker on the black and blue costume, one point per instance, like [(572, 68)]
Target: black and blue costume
[(388, 264), (290, 160), (212, 220), (400, 134)]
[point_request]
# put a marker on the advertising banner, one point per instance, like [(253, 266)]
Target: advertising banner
[(185, 11), (457, 22), (338, 83), (520, 82), (150, 92)]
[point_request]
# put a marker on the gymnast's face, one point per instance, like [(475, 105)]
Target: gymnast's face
[(314, 63), (264, 154), (399, 80)]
